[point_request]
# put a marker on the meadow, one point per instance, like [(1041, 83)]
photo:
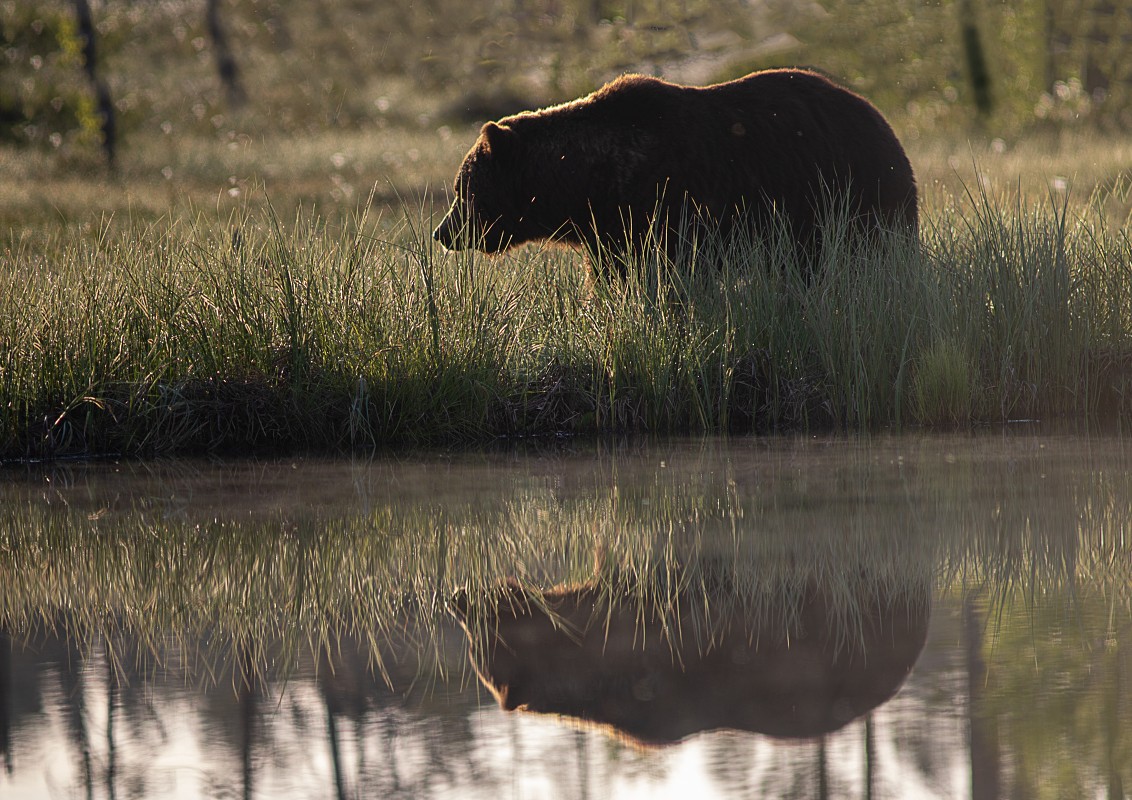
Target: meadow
[(255, 273)]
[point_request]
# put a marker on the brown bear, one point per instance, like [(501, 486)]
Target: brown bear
[(641, 156), (804, 667)]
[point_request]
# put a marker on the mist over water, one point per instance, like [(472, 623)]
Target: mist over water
[(289, 628)]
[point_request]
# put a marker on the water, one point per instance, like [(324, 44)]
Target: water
[(914, 617)]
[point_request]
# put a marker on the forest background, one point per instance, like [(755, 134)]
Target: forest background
[(200, 102)]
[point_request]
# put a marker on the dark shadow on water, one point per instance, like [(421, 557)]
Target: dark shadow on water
[(801, 667)]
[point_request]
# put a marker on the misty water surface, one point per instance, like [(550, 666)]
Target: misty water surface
[(937, 617)]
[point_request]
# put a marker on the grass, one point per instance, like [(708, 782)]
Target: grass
[(257, 277), (248, 334)]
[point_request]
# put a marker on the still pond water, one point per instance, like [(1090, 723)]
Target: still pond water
[(913, 617)]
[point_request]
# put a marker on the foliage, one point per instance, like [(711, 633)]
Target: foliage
[(414, 65), (914, 63), (44, 99)]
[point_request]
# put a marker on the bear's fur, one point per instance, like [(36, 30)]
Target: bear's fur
[(796, 671), (641, 153)]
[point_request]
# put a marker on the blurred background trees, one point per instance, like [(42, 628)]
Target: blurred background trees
[(262, 68)]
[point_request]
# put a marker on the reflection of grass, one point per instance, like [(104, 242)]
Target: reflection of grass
[(256, 334), (376, 564), (278, 586)]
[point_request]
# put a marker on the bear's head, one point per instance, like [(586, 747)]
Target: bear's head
[(518, 639), (487, 213)]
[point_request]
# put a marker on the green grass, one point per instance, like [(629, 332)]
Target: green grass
[(251, 334)]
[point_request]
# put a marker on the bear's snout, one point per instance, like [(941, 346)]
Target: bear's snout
[(450, 230)]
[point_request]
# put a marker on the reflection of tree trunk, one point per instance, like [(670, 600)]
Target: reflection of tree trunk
[(1112, 722), (983, 731), (71, 680), (111, 747), (389, 741), (870, 755), (581, 739), (335, 750), (248, 703), (5, 700), (360, 748), (823, 770)]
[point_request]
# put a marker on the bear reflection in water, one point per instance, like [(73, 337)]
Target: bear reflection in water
[(801, 669)]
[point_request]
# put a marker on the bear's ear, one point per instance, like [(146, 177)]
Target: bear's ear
[(498, 137)]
